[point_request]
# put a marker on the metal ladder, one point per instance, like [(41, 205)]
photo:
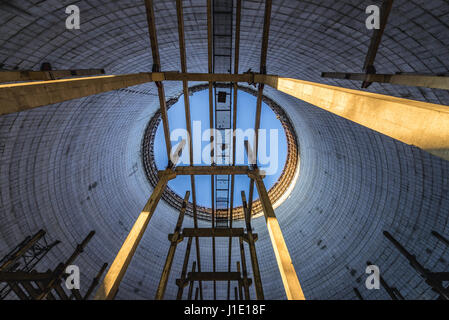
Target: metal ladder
[(222, 55)]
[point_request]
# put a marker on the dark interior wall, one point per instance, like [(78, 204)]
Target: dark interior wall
[(74, 167)]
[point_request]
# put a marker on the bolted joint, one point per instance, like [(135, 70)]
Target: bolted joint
[(246, 237), (256, 174), (181, 283), (169, 174), (252, 81), (175, 240)]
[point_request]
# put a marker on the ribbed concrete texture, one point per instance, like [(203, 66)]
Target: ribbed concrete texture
[(76, 166)]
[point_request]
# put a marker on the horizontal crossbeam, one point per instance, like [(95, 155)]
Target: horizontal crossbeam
[(209, 232), (18, 97), (214, 276), (207, 170), (422, 124), (25, 276)]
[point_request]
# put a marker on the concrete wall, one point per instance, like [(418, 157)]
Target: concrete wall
[(76, 166)]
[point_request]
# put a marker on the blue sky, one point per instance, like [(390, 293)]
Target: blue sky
[(199, 105)]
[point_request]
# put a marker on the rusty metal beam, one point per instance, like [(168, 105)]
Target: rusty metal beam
[(185, 85), (214, 276), (240, 284), (30, 289), (114, 276), (42, 286), (24, 276), (76, 294), (27, 244), (79, 249), (60, 291), (292, 287), (417, 123), (157, 68), (208, 170), (196, 294), (191, 282), (436, 82), (263, 70), (244, 269), (213, 77), (208, 232), (28, 75), (265, 37), (171, 252), (252, 250), (95, 281), (18, 291), (182, 282)]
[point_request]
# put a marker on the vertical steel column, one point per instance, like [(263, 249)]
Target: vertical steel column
[(263, 70), (377, 36), (185, 85), (182, 282), (252, 250), (95, 281), (196, 294), (171, 252), (189, 296), (244, 269), (240, 282), (157, 68)]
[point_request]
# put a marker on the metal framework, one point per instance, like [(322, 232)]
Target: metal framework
[(422, 124), (25, 257), (435, 280), (26, 283), (437, 81)]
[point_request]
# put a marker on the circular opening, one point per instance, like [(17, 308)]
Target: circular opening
[(278, 151)]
